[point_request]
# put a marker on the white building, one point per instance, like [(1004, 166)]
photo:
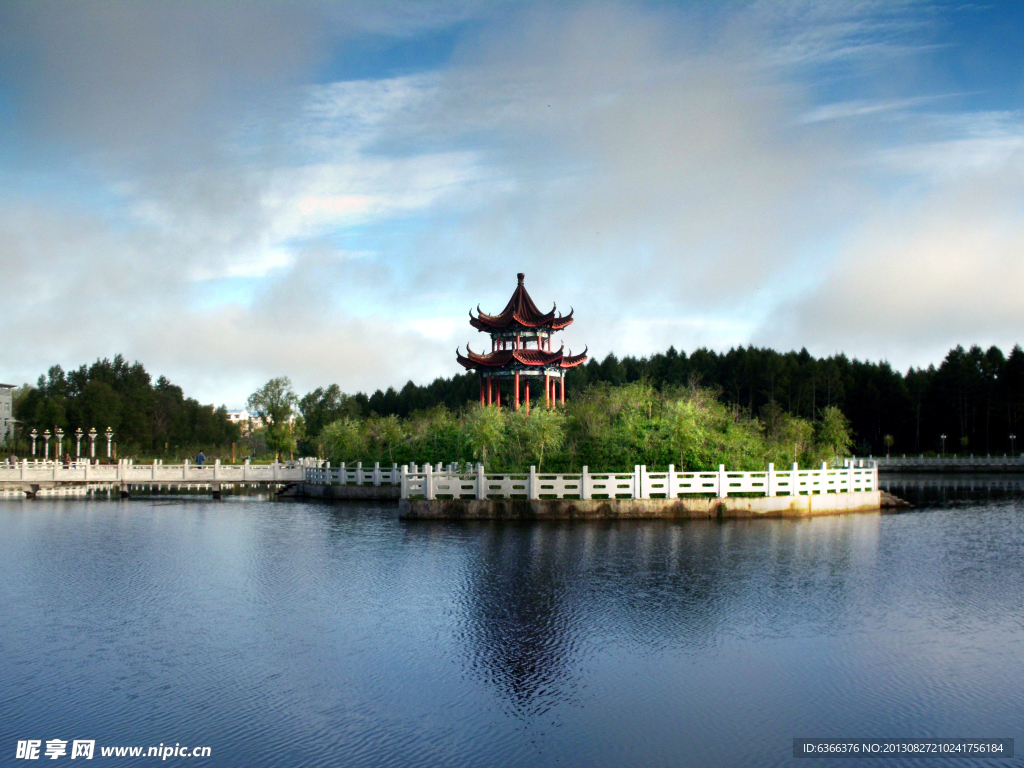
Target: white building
[(249, 421), (6, 412), (243, 418)]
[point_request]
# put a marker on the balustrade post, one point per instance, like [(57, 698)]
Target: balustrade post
[(584, 486), (770, 482), (403, 479), (481, 482), (359, 473), (723, 483), (794, 481), (216, 469), (394, 474), (670, 482), (532, 489), (428, 482), (376, 473), (640, 489)]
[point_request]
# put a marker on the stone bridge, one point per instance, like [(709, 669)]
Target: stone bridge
[(30, 476)]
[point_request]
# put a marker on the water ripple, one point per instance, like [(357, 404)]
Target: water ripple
[(305, 634)]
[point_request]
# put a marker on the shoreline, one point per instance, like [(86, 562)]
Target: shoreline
[(643, 509)]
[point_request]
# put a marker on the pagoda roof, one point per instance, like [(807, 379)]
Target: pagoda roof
[(513, 358), (520, 310)]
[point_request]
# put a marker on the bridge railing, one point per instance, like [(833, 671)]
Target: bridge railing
[(126, 471), (1015, 463), (431, 482), (356, 474)]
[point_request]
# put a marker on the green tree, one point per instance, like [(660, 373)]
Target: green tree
[(99, 406), (544, 432), (832, 435), (384, 433), (344, 440), (485, 431), (275, 403)]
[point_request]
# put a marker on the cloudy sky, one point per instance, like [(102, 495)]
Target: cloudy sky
[(231, 191)]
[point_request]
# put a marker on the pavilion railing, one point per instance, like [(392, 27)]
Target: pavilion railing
[(473, 482)]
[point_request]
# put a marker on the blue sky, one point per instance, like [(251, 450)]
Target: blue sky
[(230, 192)]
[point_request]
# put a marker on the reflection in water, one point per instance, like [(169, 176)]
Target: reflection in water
[(540, 601)]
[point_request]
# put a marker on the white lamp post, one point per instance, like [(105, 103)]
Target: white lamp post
[(1013, 437), (34, 435), (46, 443), (60, 439), (110, 436), (943, 438), (92, 443), (78, 444)]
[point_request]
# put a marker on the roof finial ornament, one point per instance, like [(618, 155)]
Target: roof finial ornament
[(520, 276)]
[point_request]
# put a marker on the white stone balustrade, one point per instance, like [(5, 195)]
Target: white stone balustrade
[(431, 482), (127, 472)]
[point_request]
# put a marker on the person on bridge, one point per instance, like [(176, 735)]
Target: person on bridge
[(200, 458)]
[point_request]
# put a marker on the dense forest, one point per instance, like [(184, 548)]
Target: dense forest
[(974, 397), (148, 418)]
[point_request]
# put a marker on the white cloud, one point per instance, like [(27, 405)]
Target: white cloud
[(665, 172)]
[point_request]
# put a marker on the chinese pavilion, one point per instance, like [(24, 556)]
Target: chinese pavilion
[(520, 351)]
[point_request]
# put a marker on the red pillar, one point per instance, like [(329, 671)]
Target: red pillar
[(497, 393), (547, 391), (527, 383), (490, 390), (482, 396), (563, 387), (517, 391)]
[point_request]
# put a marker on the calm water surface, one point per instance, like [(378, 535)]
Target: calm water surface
[(297, 633)]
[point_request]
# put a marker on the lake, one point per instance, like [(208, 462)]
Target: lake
[(293, 633)]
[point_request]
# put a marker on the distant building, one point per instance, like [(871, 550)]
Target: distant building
[(249, 421), (241, 417), (6, 412)]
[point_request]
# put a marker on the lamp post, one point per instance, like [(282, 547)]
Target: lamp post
[(92, 443), (34, 435), (78, 444), (1013, 437), (942, 437), (60, 439), (46, 443), (110, 436)]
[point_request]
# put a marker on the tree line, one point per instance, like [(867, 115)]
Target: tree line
[(146, 417), (975, 397)]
